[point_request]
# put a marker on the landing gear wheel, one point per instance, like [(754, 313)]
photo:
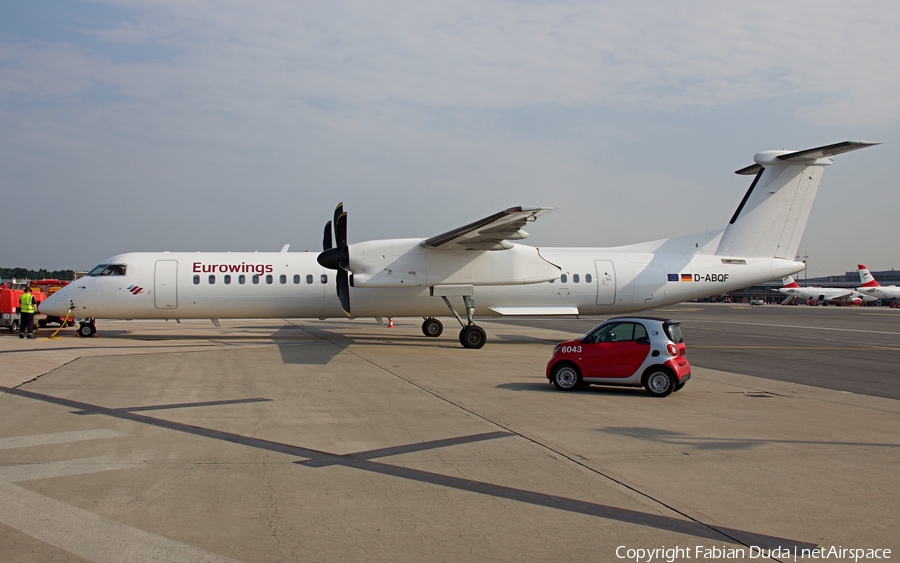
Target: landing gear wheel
[(472, 336), (566, 377), (432, 328), (14, 327), (87, 330), (659, 382)]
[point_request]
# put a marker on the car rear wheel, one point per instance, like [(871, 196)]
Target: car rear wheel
[(659, 382), (566, 377)]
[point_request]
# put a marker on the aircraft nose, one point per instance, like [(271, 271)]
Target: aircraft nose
[(55, 305)]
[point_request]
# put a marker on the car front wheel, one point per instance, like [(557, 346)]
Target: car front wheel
[(565, 377), (659, 382)]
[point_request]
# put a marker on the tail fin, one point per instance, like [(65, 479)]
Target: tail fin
[(789, 282), (771, 218), (865, 278)]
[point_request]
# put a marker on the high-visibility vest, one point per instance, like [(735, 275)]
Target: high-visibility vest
[(26, 303)]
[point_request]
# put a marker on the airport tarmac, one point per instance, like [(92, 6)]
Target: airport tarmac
[(306, 440)]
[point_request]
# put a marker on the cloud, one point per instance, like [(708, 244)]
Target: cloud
[(459, 109)]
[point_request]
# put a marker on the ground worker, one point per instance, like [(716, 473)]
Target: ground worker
[(27, 310)]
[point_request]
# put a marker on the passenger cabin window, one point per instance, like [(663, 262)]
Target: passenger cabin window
[(282, 278), (108, 270), (587, 278), (212, 279), (255, 278), (196, 280), (242, 279), (324, 278), (309, 278), (563, 278), (269, 278), (575, 278), (296, 278), (227, 279)]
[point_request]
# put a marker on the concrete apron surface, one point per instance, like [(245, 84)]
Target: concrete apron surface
[(304, 440)]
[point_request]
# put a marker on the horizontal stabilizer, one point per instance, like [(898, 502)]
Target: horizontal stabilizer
[(809, 156)]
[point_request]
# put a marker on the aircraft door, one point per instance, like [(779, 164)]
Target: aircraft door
[(606, 282), (165, 291)]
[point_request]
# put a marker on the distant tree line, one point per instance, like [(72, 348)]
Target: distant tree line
[(20, 273)]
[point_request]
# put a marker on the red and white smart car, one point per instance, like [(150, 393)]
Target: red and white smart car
[(627, 351)]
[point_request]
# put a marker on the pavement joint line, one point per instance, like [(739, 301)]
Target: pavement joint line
[(733, 535), (688, 526), (807, 327), (751, 347)]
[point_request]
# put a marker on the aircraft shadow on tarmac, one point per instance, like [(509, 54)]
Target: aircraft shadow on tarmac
[(707, 443), (365, 461), (331, 339)]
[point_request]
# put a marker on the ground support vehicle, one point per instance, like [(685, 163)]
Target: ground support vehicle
[(9, 306)]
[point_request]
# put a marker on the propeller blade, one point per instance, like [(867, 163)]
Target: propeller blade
[(326, 240), (340, 229), (343, 290), (338, 211)]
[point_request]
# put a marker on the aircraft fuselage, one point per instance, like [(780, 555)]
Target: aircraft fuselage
[(592, 281)]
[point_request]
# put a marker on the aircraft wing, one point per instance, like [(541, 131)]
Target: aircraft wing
[(491, 233)]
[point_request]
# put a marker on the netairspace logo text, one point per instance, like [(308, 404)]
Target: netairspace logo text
[(673, 554)]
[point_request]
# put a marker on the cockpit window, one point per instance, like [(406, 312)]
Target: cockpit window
[(108, 270)]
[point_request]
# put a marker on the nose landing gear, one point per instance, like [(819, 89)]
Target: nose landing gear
[(86, 328)]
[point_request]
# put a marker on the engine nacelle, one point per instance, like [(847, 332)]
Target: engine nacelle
[(405, 263)]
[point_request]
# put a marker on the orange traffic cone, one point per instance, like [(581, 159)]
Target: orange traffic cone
[(390, 322)]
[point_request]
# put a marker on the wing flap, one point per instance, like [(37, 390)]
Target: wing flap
[(516, 311), (491, 233)]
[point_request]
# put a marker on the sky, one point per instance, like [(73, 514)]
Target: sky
[(211, 125)]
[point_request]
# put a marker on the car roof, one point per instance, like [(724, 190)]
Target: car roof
[(657, 319)]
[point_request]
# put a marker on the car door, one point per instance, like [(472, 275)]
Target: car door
[(615, 350)]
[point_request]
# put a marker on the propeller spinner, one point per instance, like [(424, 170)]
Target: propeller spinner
[(338, 257)]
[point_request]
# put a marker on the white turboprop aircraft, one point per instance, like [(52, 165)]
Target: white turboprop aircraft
[(824, 295), (874, 289), (476, 264)]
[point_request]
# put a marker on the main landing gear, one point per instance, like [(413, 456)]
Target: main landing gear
[(471, 335), (432, 327), (86, 328)]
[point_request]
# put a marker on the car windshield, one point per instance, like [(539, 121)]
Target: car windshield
[(673, 331)]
